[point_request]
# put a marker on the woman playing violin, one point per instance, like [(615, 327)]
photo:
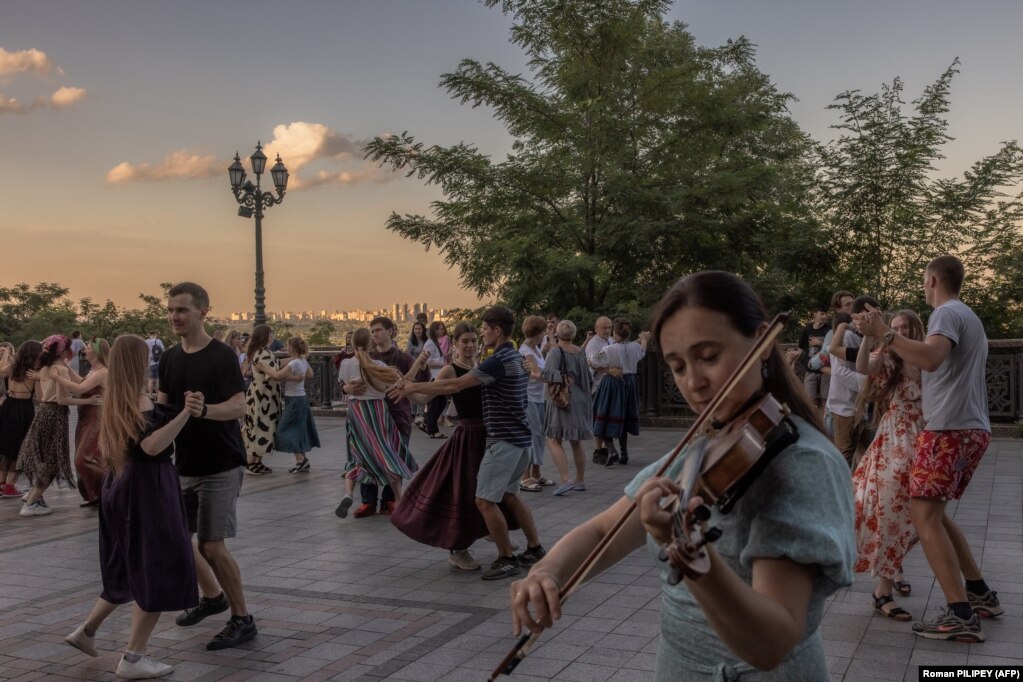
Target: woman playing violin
[(787, 543)]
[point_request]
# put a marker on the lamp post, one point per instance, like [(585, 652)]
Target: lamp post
[(253, 201)]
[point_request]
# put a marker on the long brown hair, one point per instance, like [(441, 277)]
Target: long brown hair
[(373, 374), (121, 420), (259, 340), (724, 293), (881, 393)]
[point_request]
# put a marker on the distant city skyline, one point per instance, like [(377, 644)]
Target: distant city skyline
[(398, 312), (118, 121)]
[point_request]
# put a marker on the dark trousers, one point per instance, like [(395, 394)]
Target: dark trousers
[(433, 412), (370, 492)]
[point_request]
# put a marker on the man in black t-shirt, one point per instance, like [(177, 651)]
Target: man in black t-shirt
[(811, 343), (210, 457)]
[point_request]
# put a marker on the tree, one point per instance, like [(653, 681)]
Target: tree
[(637, 157), (28, 312), (321, 332), (888, 215)]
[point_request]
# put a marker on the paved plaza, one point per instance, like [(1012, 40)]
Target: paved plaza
[(357, 600)]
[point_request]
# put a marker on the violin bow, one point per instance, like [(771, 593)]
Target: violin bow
[(528, 640)]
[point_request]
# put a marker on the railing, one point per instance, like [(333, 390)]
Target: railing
[(659, 397)]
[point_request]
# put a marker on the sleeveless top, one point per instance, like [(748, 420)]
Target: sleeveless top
[(468, 403)]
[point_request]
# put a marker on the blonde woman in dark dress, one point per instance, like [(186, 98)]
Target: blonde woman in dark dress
[(144, 543)]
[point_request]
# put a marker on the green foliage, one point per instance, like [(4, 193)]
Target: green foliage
[(637, 157), (320, 333), (281, 328), (35, 312), (888, 215)]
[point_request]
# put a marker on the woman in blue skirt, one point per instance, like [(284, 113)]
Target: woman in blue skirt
[(144, 545), (616, 404), (296, 430)]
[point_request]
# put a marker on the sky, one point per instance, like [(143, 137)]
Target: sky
[(118, 119)]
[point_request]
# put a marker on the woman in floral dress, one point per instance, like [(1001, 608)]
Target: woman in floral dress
[(262, 401), (884, 532)]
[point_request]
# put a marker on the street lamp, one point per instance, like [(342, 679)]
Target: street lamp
[(253, 200)]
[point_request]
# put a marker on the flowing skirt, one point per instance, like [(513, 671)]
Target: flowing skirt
[(296, 430), (145, 548), (16, 415), (376, 451), (88, 459), (616, 407), (45, 451), (884, 532), (438, 508)]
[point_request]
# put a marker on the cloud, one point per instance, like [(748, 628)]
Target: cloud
[(66, 96), (31, 61), (300, 145), (179, 165), (34, 62)]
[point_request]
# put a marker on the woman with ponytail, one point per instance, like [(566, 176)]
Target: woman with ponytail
[(376, 451), (144, 544), (45, 452)]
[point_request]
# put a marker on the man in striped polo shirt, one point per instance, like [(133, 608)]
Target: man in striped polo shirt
[(509, 440)]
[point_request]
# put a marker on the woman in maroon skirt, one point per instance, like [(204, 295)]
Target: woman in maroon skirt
[(438, 507), (144, 546), (89, 465)]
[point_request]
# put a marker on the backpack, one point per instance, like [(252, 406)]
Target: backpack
[(155, 352)]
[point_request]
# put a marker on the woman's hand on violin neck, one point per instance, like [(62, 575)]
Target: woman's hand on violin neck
[(656, 517), (536, 602)]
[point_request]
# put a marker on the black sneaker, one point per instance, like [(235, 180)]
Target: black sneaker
[(237, 631), (600, 456), (532, 555), (612, 459), (205, 607), (503, 567), (342, 509)]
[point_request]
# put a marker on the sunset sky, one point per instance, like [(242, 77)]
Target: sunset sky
[(118, 120)]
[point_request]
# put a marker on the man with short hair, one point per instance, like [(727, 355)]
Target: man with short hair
[(210, 458), (956, 433), (600, 340), (156, 349), (811, 342), (509, 440), (383, 330)]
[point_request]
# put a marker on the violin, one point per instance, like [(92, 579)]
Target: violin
[(720, 468)]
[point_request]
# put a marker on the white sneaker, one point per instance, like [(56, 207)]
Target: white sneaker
[(35, 509), (142, 669), (462, 560), (81, 641)]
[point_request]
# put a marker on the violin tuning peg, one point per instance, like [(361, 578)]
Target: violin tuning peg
[(674, 577), (713, 534), (702, 513)]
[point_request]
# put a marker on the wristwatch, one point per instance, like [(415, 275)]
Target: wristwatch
[(887, 339)]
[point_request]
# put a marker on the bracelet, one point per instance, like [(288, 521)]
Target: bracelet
[(887, 339), (205, 409)]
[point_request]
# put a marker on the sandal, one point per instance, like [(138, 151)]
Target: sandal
[(529, 486), (903, 587), (895, 613), (545, 482)]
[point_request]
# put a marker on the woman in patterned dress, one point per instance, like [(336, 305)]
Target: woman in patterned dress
[(45, 453), (884, 532), (262, 401)]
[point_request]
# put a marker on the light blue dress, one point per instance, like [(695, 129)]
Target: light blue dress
[(800, 507)]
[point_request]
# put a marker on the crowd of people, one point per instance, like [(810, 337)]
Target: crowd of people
[(889, 422)]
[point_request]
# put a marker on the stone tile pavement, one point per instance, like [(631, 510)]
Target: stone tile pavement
[(356, 600)]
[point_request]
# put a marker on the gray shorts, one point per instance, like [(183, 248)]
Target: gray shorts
[(500, 470), (210, 503)]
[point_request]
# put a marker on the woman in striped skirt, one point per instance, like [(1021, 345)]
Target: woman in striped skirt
[(377, 452)]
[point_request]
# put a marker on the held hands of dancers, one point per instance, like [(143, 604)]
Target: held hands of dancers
[(195, 403), (871, 322)]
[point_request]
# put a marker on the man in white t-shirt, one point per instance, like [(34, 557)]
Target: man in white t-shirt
[(77, 346), (955, 436), (156, 350)]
